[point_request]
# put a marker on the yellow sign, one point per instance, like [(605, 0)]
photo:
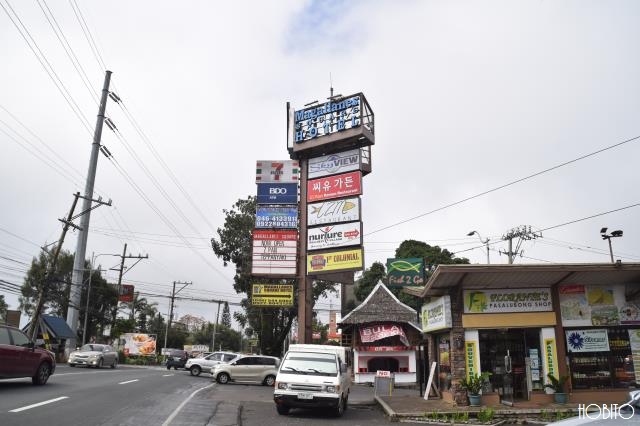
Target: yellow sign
[(470, 358), (272, 295), (550, 356), (335, 261)]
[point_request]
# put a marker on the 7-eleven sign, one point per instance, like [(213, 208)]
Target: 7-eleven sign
[(277, 171)]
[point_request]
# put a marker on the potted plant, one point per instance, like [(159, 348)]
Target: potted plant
[(558, 386), (473, 385)]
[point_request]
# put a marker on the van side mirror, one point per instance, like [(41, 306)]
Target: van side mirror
[(343, 367)]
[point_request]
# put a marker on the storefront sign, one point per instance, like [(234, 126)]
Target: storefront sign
[(277, 171), (378, 332), (126, 293), (277, 193), (470, 354), (507, 300), (334, 211), (436, 314), (276, 217), (385, 348), (274, 253), (325, 119), (272, 295), (346, 260), (587, 340), (337, 186), (332, 236), (550, 357), (383, 373), (402, 272), (340, 162)]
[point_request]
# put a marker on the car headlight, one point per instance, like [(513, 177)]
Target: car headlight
[(282, 385), (333, 389), (93, 357)]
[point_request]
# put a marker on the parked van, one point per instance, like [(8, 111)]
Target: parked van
[(313, 376)]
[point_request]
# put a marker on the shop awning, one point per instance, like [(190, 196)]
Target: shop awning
[(58, 327)]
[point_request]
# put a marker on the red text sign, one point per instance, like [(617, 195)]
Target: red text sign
[(337, 186)]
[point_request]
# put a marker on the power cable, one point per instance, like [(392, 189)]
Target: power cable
[(88, 35)]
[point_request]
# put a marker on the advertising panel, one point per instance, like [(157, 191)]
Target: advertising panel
[(126, 293), (333, 164), (277, 171), (372, 333), (334, 211), (272, 295), (401, 272), (274, 253), (138, 344), (587, 305), (336, 186), (331, 236), (318, 263), (277, 193), (507, 300), (276, 217), (436, 314), (587, 340)]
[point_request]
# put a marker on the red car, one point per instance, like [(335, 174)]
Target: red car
[(20, 358)]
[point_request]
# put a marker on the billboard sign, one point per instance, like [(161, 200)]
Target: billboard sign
[(346, 260), (126, 293), (277, 193), (336, 186), (272, 295), (332, 236), (436, 314), (274, 253), (498, 301), (333, 211), (276, 217), (332, 164), (277, 171), (138, 344), (323, 120), (402, 272)]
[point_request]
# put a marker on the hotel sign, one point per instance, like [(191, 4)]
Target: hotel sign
[(340, 162), (436, 314), (276, 217), (274, 253), (322, 120), (346, 260), (332, 236), (272, 295), (334, 211), (337, 186), (277, 171)]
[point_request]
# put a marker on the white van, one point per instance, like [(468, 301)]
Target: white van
[(313, 376)]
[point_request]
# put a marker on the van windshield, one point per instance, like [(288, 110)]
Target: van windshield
[(310, 363)]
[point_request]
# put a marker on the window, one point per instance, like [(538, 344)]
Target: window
[(4, 336), (19, 338), (266, 361), (245, 361)]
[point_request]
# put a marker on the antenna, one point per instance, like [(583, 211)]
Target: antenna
[(330, 86)]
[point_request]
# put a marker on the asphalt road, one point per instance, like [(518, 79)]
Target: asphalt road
[(153, 396)]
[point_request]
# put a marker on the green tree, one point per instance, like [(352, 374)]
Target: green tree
[(3, 308), (369, 279), (234, 245), (226, 315), (102, 299)]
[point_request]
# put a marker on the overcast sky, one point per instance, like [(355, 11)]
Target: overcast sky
[(468, 97)]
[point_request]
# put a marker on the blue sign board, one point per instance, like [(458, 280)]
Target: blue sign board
[(276, 217), (277, 193)]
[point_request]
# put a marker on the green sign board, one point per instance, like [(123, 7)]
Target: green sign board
[(404, 272)]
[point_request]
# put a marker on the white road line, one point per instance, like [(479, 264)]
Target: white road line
[(128, 381), (177, 410), (167, 375), (17, 410)]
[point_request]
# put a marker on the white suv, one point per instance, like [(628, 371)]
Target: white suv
[(206, 363)]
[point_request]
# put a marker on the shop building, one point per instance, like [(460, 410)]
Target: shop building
[(384, 334), (520, 323)]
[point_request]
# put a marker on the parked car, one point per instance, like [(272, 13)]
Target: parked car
[(94, 355), (198, 365), (177, 358), (19, 357), (248, 368)]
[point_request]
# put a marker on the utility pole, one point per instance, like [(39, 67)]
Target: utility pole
[(215, 328), (81, 246), (121, 274), (305, 290), (523, 233), (173, 297)]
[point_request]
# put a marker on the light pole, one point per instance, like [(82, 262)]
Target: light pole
[(485, 242), (613, 234), (86, 310)]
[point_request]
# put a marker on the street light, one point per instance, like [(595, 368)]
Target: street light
[(613, 234), (485, 242), (86, 310)]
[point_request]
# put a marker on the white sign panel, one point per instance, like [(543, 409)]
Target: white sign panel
[(436, 314), (484, 301), (330, 236), (333, 211), (332, 164), (274, 253), (587, 340)]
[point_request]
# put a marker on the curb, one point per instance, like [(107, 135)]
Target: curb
[(393, 417)]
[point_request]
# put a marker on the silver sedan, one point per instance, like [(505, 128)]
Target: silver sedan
[(94, 355)]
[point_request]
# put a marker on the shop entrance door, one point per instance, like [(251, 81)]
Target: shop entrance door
[(511, 350)]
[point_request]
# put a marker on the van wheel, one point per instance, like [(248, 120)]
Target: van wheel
[(195, 370), (339, 410), (269, 380), (346, 402), (283, 410)]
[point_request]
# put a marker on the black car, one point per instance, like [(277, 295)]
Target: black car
[(177, 359)]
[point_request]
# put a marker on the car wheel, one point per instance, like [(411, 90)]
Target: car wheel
[(339, 410), (195, 370), (72, 365), (283, 410), (115, 363), (99, 364), (223, 378), (168, 367), (42, 375), (269, 380)]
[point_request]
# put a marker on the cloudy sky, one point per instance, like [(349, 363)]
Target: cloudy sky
[(489, 115)]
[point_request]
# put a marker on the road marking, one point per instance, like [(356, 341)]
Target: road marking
[(177, 410), (128, 381), (167, 375), (17, 410)]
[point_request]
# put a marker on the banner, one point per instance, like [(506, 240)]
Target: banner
[(272, 295), (276, 217), (274, 252), (277, 171), (138, 344), (332, 236), (277, 193), (345, 210), (373, 333), (587, 340), (346, 260), (341, 162), (336, 186), (402, 272), (126, 293)]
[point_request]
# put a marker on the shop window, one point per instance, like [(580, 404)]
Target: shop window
[(384, 364), (444, 362)]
